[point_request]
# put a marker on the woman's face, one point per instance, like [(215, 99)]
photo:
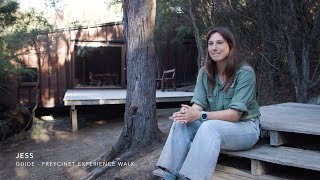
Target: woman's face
[(218, 48)]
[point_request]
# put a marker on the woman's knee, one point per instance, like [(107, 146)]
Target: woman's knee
[(211, 125), (177, 124), (209, 128)]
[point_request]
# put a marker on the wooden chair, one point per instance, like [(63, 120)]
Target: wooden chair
[(168, 77), (93, 81)]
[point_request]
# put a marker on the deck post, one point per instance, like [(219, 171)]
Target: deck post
[(259, 168), (73, 113), (277, 138)]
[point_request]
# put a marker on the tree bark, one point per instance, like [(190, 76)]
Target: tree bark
[(140, 126), (196, 36), (302, 79), (314, 34), (305, 71), (293, 68), (14, 117)]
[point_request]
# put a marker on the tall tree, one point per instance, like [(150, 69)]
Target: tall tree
[(14, 36), (280, 33), (140, 115), (140, 125), (305, 26), (194, 19), (196, 36), (200, 15)]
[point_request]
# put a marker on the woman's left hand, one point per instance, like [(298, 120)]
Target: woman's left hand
[(189, 114)]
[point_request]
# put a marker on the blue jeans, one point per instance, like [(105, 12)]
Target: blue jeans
[(192, 149)]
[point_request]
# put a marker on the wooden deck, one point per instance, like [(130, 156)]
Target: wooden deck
[(291, 117), (282, 155), (116, 96), (282, 120), (79, 97), (230, 173)]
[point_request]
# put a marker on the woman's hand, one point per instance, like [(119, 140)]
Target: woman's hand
[(186, 114)]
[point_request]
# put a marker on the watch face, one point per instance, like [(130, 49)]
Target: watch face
[(204, 116)]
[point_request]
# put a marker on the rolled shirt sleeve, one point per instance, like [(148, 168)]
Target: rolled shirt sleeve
[(244, 90), (241, 107)]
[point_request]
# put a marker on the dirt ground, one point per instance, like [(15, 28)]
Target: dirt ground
[(57, 153)]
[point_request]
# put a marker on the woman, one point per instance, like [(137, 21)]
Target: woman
[(224, 114)]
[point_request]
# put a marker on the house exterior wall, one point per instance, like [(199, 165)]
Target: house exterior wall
[(57, 62)]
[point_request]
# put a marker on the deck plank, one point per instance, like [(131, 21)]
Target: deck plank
[(291, 117), (116, 96), (225, 173), (282, 155)]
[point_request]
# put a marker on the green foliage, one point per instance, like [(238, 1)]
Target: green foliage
[(164, 17), (174, 15), (170, 21), (20, 30), (265, 31), (182, 32), (7, 13), (6, 67)]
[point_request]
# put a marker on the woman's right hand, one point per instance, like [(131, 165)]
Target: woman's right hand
[(183, 109), (186, 114)]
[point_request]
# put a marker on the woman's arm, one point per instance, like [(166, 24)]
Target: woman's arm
[(227, 115), (192, 113)]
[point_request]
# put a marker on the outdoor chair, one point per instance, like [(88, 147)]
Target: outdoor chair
[(168, 77), (93, 81)]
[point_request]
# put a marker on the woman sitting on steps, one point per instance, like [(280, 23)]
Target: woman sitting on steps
[(224, 114)]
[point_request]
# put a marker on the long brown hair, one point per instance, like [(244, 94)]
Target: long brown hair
[(233, 61)]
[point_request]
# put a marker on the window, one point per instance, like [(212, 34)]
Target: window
[(29, 76)]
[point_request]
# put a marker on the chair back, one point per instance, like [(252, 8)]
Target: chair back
[(169, 74)]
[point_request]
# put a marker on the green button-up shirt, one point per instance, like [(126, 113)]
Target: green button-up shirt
[(241, 95)]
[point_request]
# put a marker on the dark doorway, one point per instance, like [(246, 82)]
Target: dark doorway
[(98, 66)]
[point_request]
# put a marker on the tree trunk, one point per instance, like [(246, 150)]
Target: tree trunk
[(14, 117), (302, 79), (294, 70), (140, 126), (38, 90), (300, 82), (196, 36), (303, 97), (297, 78)]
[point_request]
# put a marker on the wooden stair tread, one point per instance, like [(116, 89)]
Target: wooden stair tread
[(230, 173), (281, 155), (291, 117)]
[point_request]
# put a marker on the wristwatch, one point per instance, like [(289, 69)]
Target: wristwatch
[(203, 116)]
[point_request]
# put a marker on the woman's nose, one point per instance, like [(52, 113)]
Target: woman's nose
[(214, 46)]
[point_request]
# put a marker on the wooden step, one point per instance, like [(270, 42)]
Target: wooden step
[(281, 119), (291, 117), (261, 155), (230, 173)]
